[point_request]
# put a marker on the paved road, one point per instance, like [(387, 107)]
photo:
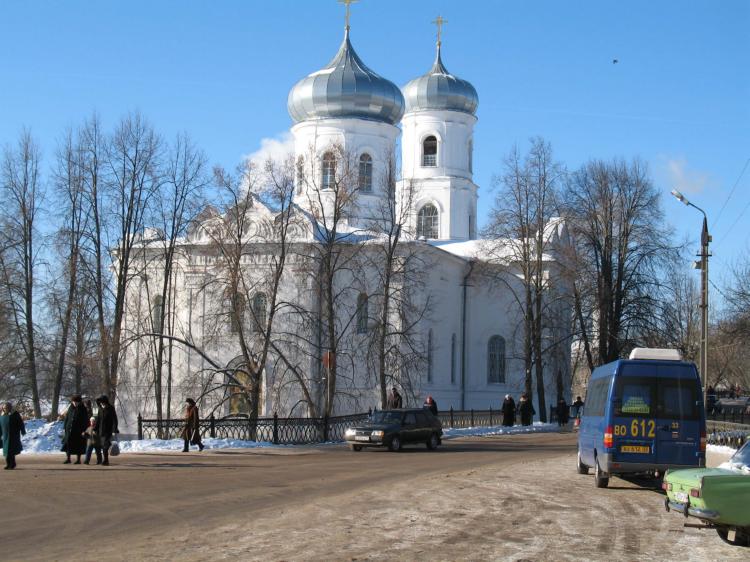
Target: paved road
[(474, 498)]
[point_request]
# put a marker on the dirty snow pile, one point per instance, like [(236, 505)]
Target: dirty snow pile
[(538, 427)]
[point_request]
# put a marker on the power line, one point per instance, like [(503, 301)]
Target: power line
[(726, 234), (736, 183)]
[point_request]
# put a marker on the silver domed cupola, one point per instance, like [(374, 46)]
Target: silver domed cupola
[(440, 90), (345, 88)]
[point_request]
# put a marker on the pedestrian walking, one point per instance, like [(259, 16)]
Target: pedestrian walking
[(106, 425), (431, 405), (576, 407), (75, 422), (394, 400), (509, 411), (93, 442), (562, 413), (526, 409), (11, 429), (191, 433)]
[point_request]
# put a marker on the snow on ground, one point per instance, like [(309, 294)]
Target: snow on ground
[(44, 437)]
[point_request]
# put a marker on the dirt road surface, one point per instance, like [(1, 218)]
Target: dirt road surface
[(493, 498)]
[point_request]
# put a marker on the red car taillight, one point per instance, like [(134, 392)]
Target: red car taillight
[(609, 441), (703, 441), (667, 486), (695, 492)]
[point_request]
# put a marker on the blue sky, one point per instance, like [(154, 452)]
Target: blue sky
[(679, 97)]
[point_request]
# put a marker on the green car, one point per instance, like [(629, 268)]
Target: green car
[(719, 497)]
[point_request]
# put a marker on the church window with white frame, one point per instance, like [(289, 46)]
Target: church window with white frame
[(496, 360), (362, 313), (260, 301), (328, 179), (429, 152), (428, 222), (365, 173), (156, 314)]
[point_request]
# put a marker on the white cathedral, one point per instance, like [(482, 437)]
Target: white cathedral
[(456, 334)]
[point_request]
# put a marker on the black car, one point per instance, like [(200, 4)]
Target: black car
[(395, 428)]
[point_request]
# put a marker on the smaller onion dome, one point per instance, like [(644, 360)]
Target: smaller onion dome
[(345, 88), (440, 90)]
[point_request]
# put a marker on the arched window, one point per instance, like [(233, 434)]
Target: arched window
[(300, 173), (365, 173), (453, 359), (362, 313), (329, 171), (428, 222), (259, 311), (496, 360), (429, 151), (156, 313), (429, 356)]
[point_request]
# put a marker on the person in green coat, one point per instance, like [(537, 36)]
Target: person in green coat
[(11, 429)]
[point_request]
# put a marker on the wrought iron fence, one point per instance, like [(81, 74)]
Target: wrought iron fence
[(283, 431), (296, 431)]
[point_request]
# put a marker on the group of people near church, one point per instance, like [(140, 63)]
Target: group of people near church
[(523, 410), (86, 433)]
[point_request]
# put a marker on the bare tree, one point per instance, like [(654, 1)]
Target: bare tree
[(622, 247), (518, 240), (22, 194)]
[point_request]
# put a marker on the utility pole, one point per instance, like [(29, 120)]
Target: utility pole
[(703, 266)]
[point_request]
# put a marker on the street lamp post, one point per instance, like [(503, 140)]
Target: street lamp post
[(703, 266)]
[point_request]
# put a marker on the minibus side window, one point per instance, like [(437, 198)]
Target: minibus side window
[(596, 399)]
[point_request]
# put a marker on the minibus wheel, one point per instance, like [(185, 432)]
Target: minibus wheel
[(600, 480), (580, 467)]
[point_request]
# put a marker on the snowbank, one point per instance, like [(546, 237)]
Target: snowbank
[(538, 427)]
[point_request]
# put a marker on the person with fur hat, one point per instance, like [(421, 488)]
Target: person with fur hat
[(106, 425), (75, 420), (11, 429), (191, 433)]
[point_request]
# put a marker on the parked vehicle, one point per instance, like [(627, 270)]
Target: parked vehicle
[(395, 428), (642, 415), (720, 497)]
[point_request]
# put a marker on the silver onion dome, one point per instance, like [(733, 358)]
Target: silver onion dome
[(440, 90), (345, 87)]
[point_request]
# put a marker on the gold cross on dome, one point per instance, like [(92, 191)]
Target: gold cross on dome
[(347, 3), (439, 21)]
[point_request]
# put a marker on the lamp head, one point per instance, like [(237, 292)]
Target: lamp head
[(680, 196)]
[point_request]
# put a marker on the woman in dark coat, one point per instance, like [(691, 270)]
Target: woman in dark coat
[(11, 429), (76, 420), (562, 413), (191, 433), (526, 410), (106, 425), (509, 411)]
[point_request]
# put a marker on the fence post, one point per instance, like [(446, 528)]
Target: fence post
[(451, 417), (275, 428), (490, 415), (472, 417), (212, 425), (140, 427), (325, 428)]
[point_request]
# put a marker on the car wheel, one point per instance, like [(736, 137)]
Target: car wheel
[(395, 444), (433, 442), (741, 538), (600, 480), (357, 448), (580, 467)]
